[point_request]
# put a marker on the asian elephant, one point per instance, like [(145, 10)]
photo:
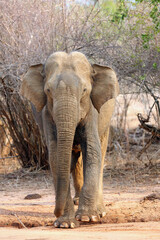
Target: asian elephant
[(77, 101)]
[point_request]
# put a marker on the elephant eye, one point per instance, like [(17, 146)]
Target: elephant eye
[(85, 89), (48, 90)]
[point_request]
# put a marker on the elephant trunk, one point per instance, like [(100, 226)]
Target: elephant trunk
[(66, 120)]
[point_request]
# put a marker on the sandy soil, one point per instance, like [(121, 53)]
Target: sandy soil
[(145, 231), (133, 208)]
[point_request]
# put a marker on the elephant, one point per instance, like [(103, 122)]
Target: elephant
[(76, 100)]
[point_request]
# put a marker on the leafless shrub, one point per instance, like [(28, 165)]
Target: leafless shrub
[(16, 114), (33, 29)]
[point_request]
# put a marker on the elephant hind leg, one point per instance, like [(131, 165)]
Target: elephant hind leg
[(77, 174)]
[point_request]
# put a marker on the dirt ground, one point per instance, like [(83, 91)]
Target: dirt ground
[(133, 207)]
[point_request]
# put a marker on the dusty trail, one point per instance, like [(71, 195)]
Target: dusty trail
[(132, 231), (130, 215)]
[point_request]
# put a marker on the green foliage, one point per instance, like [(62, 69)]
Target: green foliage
[(121, 12), (142, 77), (109, 6), (145, 39), (154, 13), (146, 24), (155, 65)]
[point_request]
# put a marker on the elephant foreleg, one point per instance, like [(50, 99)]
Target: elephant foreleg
[(89, 196), (67, 220), (104, 143)]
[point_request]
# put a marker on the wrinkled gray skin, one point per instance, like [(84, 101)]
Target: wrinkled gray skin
[(76, 100)]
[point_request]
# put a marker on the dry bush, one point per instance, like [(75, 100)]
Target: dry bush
[(5, 141), (33, 29), (16, 114)]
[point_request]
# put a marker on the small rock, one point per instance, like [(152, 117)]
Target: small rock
[(152, 197), (32, 196)]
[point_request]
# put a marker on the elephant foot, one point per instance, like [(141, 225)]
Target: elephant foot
[(87, 216), (76, 200), (101, 210), (66, 222), (91, 215)]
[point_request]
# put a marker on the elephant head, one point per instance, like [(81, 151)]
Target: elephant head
[(69, 87)]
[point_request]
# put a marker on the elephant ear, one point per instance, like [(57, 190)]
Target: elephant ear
[(105, 85), (32, 86)]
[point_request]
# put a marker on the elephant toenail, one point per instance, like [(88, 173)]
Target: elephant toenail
[(85, 219), (76, 201), (64, 225), (94, 219), (103, 214), (72, 225), (56, 224), (78, 217)]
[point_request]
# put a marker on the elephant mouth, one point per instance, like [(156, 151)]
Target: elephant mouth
[(76, 148)]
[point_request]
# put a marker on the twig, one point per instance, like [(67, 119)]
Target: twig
[(154, 97), (145, 147), (153, 130), (19, 220), (9, 157)]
